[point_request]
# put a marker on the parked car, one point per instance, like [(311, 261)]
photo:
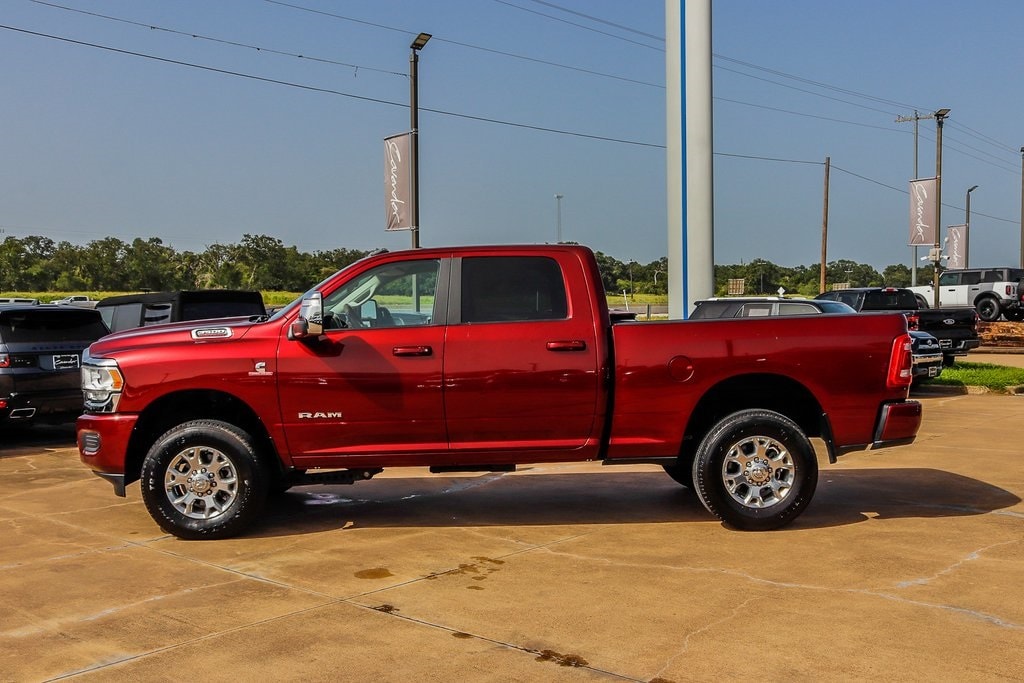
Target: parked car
[(927, 355), (761, 306), (155, 308), (76, 300), (18, 300), (40, 355), (519, 362), (956, 328)]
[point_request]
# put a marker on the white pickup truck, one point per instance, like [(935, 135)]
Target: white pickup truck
[(992, 291)]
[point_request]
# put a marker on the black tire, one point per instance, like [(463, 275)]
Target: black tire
[(1015, 315), (988, 309), (755, 470), (680, 473), (204, 479)]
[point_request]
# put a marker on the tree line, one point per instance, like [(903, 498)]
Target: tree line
[(260, 262)]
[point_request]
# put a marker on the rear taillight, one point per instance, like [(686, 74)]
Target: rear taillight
[(913, 321), (1009, 290), (901, 363), (5, 360)]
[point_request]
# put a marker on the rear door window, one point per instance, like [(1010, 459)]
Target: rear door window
[(519, 288)]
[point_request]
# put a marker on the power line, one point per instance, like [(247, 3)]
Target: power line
[(810, 116), (217, 40), (330, 91), (470, 46), (793, 87), (907, 192), (572, 23), (599, 20)]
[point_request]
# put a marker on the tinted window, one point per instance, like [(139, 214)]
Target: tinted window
[(505, 288), (201, 310), (715, 309), (50, 326), (156, 314), (970, 278), (948, 279), (790, 308), (122, 316), (756, 310), (889, 300)]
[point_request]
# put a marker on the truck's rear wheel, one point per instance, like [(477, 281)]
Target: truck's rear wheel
[(988, 309), (204, 479), (755, 470)]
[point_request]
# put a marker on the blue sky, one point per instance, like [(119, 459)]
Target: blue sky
[(97, 143)]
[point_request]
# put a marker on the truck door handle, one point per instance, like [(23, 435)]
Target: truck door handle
[(574, 345), (412, 351)]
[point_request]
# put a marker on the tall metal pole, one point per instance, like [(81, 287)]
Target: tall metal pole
[(940, 116), (913, 259), (967, 228), (824, 227), (558, 206), (414, 129), (1022, 207)]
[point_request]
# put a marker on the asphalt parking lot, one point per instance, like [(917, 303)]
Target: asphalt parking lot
[(907, 566)]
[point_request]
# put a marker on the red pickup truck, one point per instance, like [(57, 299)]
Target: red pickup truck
[(481, 359)]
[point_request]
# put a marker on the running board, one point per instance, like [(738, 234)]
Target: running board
[(441, 469), (333, 477)]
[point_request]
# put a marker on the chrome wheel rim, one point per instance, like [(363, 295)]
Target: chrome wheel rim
[(201, 482), (758, 472)]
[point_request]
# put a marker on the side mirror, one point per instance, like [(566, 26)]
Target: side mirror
[(310, 322)]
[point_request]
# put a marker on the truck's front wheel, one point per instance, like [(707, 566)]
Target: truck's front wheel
[(755, 470), (204, 479)]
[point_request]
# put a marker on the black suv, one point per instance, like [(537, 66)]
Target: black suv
[(142, 310), (40, 355)]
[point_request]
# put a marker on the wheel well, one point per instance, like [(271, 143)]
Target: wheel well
[(981, 297), (921, 301), (780, 394), (174, 409)]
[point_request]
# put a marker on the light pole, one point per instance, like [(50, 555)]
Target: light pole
[(1022, 207), (414, 106), (967, 228), (558, 207), (940, 116)]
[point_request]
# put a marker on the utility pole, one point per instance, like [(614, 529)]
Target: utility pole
[(824, 227), (915, 118), (1022, 207), (940, 116)]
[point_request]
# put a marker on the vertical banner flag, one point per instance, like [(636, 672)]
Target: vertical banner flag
[(398, 182), (956, 243), (922, 213)]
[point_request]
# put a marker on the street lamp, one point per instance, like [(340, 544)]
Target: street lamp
[(416, 46), (558, 206), (940, 116), (1022, 207), (967, 228)]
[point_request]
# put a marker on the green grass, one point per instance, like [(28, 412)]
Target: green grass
[(994, 377)]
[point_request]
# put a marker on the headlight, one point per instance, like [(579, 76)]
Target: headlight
[(101, 384)]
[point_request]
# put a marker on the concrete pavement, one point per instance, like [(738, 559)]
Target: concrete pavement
[(907, 566)]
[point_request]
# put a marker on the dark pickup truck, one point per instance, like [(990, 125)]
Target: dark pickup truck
[(955, 328)]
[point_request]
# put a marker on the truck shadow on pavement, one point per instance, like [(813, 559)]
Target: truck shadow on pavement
[(24, 440), (842, 498)]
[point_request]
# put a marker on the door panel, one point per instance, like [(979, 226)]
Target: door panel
[(521, 367), (371, 384)]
